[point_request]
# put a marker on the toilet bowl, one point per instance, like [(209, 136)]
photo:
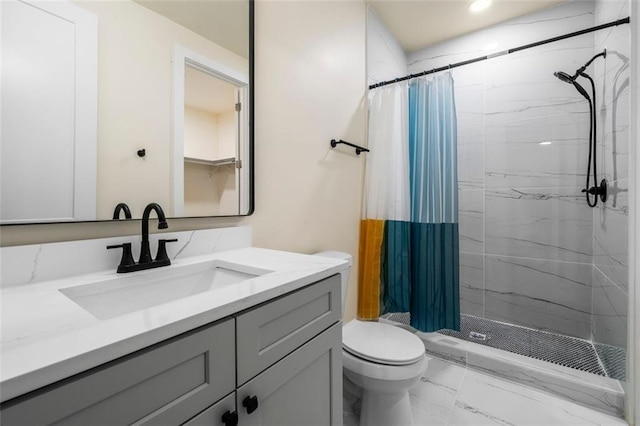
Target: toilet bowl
[(383, 360)]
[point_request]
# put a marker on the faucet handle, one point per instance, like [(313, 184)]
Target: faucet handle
[(127, 257), (161, 255)]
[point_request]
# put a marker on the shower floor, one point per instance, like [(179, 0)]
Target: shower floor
[(603, 360)]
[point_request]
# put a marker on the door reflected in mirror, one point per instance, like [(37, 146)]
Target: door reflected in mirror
[(214, 132), (86, 85)]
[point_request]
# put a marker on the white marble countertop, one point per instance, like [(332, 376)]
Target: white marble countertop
[(47, 337)]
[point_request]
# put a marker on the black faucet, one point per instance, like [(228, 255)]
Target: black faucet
[(145, 253), (121, 207), (127, 263)]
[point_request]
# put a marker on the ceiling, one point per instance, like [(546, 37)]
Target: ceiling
[(224, 22), (417, 24)]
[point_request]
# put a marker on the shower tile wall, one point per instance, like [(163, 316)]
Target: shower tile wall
[(610, 220), (526, 233), (532, 251)]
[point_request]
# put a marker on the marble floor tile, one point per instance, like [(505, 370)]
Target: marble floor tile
[(435, 393), (483, 399), (451, 394)]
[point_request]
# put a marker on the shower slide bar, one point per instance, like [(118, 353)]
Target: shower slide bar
[(504, 52)]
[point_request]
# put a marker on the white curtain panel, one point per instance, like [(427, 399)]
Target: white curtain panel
[(386, 188)]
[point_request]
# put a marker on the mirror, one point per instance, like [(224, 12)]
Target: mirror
[(125, 101)]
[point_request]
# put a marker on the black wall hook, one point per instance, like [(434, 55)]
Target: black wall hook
[(358, 148), (142, 152)]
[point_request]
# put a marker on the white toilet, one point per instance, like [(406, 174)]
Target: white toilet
[(384, 360)]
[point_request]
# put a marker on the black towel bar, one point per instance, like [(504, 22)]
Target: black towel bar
[(358, 148)]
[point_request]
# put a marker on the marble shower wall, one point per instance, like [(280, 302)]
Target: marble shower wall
[(610, 220), (527, 237), (532, 251)]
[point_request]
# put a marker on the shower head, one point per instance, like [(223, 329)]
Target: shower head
[(563, 76)]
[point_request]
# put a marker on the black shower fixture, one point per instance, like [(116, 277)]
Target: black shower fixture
[(563, 76), (601, 189)]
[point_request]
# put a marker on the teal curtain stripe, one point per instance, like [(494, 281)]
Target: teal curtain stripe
[(433, 156), (435, 294), (395, 275)]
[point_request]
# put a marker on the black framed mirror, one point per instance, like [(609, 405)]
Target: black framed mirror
[(128, 101)]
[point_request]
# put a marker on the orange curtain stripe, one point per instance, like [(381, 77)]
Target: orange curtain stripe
[(371, 234)]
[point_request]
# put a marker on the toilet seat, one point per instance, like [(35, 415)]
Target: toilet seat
[(382, 343)]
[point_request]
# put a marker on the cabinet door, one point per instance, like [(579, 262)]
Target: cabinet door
[(269, 332), (213, 416), (165, 384), (305, 388)]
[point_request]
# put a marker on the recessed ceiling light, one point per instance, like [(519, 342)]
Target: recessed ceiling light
[(545, 143), (479, 5)]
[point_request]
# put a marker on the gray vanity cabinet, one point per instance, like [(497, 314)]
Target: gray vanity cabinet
[(269, 332), (305, 388), (277, 364), (213, 415), (166, 384), (290, 359)]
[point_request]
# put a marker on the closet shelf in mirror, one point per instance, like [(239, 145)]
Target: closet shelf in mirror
[(219, 162)]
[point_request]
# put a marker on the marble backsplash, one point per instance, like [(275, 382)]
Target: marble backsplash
[(41, 262)]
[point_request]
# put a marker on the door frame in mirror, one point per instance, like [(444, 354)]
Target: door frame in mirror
[(183, 57)]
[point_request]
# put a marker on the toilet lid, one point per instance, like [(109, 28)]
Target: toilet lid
[(381, 343)]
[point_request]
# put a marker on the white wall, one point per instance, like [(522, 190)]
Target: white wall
[(310, 83), (227, 134), (201, 130)]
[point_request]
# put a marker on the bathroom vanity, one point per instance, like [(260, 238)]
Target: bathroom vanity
[(262, 350)]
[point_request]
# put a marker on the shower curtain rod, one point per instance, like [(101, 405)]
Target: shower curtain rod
[(504, 52)]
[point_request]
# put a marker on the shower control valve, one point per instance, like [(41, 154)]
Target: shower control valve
[(600, 190)]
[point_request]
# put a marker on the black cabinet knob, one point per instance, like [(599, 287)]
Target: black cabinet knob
[(230, 418), (250, 403)]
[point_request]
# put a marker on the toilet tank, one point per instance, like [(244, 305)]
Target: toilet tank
[(344, 275)]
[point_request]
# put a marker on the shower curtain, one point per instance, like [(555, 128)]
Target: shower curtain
[(409, 231)]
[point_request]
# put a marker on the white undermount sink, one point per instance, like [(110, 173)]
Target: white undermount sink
[(145, 289)]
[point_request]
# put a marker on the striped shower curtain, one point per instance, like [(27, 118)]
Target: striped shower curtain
[(409, 231)]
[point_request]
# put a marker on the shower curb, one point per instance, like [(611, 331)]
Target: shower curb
[(591, 390)]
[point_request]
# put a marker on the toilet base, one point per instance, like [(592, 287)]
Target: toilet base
[(386, 409)]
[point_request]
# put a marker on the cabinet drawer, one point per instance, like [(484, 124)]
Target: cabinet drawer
[(165, 384), (212, 416), (269, 332)]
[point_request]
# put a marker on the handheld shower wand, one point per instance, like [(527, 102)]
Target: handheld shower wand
[(600, 190)]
